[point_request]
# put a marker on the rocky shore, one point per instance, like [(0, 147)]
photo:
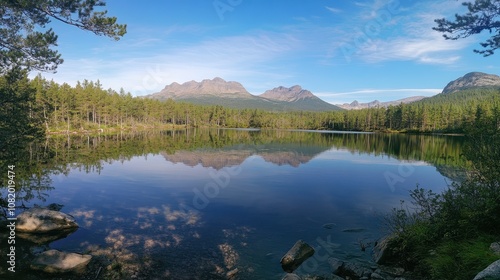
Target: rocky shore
[(379, 269)]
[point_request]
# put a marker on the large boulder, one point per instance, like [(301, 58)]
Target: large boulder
[(490, 273), (300, 252), (384, 251), (41, 220), (54, 261)]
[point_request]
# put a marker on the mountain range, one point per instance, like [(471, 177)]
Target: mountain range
[(234, 95), (355, 105), (468, 81)]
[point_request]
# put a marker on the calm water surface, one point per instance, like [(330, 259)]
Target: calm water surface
[(197, 204)]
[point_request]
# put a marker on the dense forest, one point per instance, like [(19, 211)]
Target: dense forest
[(89, 107)]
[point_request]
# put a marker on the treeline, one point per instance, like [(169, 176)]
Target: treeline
[(87, 106)]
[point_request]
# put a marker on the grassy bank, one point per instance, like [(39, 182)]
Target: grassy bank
[(113, 129)]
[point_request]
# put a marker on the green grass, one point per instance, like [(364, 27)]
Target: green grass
[(460, 260)]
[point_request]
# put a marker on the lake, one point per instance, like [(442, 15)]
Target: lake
[(196, 204)]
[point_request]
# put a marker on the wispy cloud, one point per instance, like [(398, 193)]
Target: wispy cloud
[(381, 35), (333, 10), (233, 57), (419, 43)]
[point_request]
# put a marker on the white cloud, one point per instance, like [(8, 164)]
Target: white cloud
[(333, 10), (425, 49), (402, 36), (232, 58)]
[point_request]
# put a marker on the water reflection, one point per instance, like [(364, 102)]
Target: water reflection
[(199, 204)]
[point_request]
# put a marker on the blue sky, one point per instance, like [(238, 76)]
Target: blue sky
[(340, 50)]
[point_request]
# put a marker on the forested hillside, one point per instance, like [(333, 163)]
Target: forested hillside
[(88, 107)]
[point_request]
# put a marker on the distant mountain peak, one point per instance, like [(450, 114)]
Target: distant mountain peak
[(291, 94), (216, 86), (355, 105), (472, 80), (218, 91)]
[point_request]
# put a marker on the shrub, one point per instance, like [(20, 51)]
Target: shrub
[(460, 260)]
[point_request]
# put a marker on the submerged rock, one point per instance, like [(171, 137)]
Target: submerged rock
[(41, 220), (291, 276), (300, 252), (354, 230), (491, 272), (232, 273), (54, 261), (335, 265), (329, 225)]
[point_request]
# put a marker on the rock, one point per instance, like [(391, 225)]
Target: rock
[(495, 248), (383, 252), (491, 272), (291, 276), (300, 252), (55, 206), (349, 270), (376, 276), (355, 230), (329, 225), (232, 273), (335, 265), (354, 270), (54, 261), (41, 220), (392, 271)]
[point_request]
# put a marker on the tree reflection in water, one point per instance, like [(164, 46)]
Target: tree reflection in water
[(168, 240)]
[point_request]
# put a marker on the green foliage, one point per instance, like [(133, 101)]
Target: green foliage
[(19, 115), (482, 15), (446, 236), (460, 260), (24, 40)]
